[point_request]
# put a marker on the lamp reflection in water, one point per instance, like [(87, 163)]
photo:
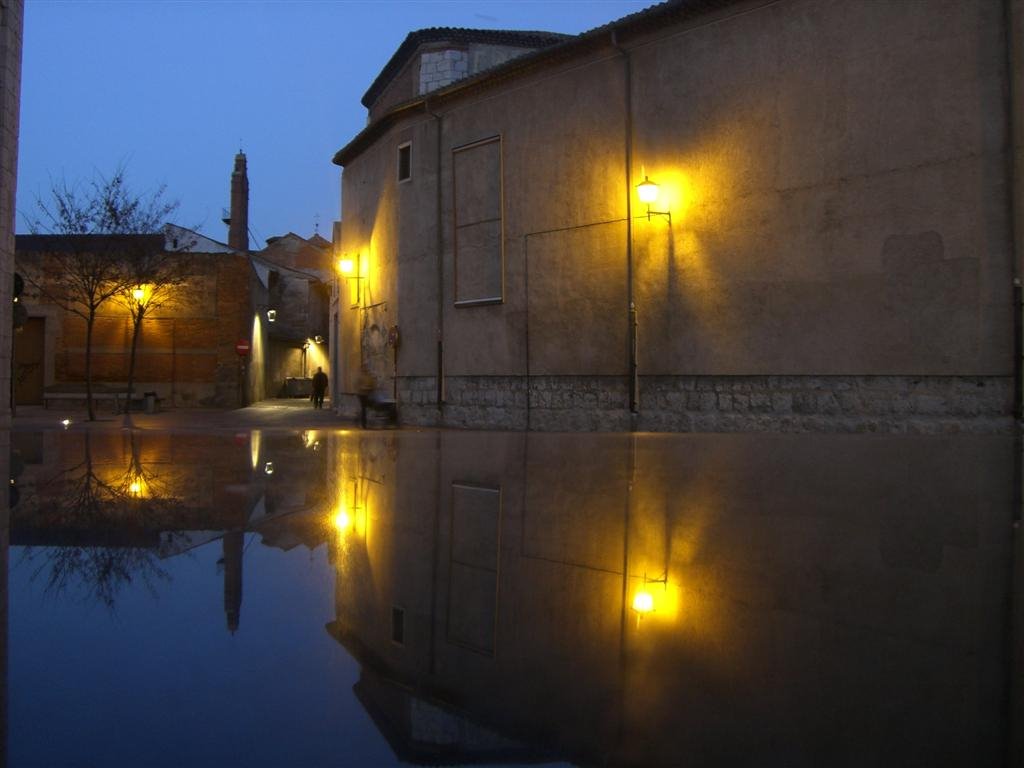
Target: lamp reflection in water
[(644, 602), (350, 516)]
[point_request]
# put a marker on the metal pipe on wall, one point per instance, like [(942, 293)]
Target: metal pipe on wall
[(440, 258), (1013, 28), (634, 406)]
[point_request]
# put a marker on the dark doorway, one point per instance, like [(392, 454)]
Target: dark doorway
[(29, 347)]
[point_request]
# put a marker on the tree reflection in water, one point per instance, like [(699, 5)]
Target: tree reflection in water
[(108, 516)]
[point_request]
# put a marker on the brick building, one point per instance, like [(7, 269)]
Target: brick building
[(188, 348)]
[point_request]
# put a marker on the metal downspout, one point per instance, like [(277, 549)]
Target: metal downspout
[(632, 322), (1013, 26), (1014, 30), (440, 259)]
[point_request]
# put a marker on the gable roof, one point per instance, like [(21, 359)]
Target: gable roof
[(509, 37), (87, 243), (654, 17)]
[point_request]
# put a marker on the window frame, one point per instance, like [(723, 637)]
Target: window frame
[(404, 146)]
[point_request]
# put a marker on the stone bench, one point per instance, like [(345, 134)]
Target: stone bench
[(67, 395), (379, 404)]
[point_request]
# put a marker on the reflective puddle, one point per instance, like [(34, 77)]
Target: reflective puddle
[(448, 598)]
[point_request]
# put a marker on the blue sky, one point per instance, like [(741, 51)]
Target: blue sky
[(173, 88)]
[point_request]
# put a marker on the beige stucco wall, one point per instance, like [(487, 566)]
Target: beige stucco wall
[(836, 175)]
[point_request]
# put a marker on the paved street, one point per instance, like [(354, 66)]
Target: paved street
[(296, 413)]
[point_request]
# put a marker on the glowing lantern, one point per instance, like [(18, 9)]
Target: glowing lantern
[(647, 191)]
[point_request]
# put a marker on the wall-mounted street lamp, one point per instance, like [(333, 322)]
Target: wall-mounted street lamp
[(271, 315), (350, 269), (648, 191), (643, 600)]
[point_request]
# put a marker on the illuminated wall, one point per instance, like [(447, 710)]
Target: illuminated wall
[(847, 276), (186, 348)]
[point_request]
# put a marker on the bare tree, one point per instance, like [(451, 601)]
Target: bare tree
[(125, 505), (90, 270), (155, 279)]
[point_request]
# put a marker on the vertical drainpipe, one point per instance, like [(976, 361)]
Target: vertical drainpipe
[(1013, 30), (1013, 26), (634, 407), (440, 260)]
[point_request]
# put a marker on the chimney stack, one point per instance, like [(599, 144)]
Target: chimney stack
[(238, 224)]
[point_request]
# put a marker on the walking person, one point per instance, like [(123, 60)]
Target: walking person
[(319, 387)]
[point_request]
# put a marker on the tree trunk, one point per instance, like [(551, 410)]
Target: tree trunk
[(88, 364), (136, 325)]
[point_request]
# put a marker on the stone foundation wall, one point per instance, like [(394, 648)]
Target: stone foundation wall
[(889, 404)]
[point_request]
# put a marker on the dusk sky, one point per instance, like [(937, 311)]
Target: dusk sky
[(172, 89)]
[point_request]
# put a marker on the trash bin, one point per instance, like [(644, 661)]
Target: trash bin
[(149, 402)]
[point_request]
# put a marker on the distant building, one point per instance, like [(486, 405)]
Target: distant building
[(832, 248), (274, 300)]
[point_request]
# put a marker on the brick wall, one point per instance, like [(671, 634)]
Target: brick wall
[(186, 350)]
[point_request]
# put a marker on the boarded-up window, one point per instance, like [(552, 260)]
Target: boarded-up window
[(479, 262), (473, 578)]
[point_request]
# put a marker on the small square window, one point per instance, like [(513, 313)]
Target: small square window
[(405, 162), (398, 625)]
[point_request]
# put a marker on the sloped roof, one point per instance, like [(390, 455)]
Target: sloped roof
[(87, 243), (510, 37), (654, 17)]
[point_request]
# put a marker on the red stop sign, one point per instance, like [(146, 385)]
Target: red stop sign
[(242, 347)]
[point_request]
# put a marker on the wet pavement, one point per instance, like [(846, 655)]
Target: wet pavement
[(228, 595), (278, 413)]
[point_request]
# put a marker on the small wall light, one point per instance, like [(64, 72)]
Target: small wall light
[(648, 191), (346, 265), (318, 339), (268, 468), (271, 315)]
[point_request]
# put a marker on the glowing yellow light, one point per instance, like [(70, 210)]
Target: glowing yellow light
[(342, 520), (647, 191), (66, 422), (138, 294), (135, 488), (346, 265), (643, 602), (254, 447)]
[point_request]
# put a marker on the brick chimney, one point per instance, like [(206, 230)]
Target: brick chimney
[(238, 224)]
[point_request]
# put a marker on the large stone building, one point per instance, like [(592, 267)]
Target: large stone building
[(832, 246)]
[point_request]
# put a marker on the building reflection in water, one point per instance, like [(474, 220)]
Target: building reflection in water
[(97, 512), (601, 599), (637, 600)]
